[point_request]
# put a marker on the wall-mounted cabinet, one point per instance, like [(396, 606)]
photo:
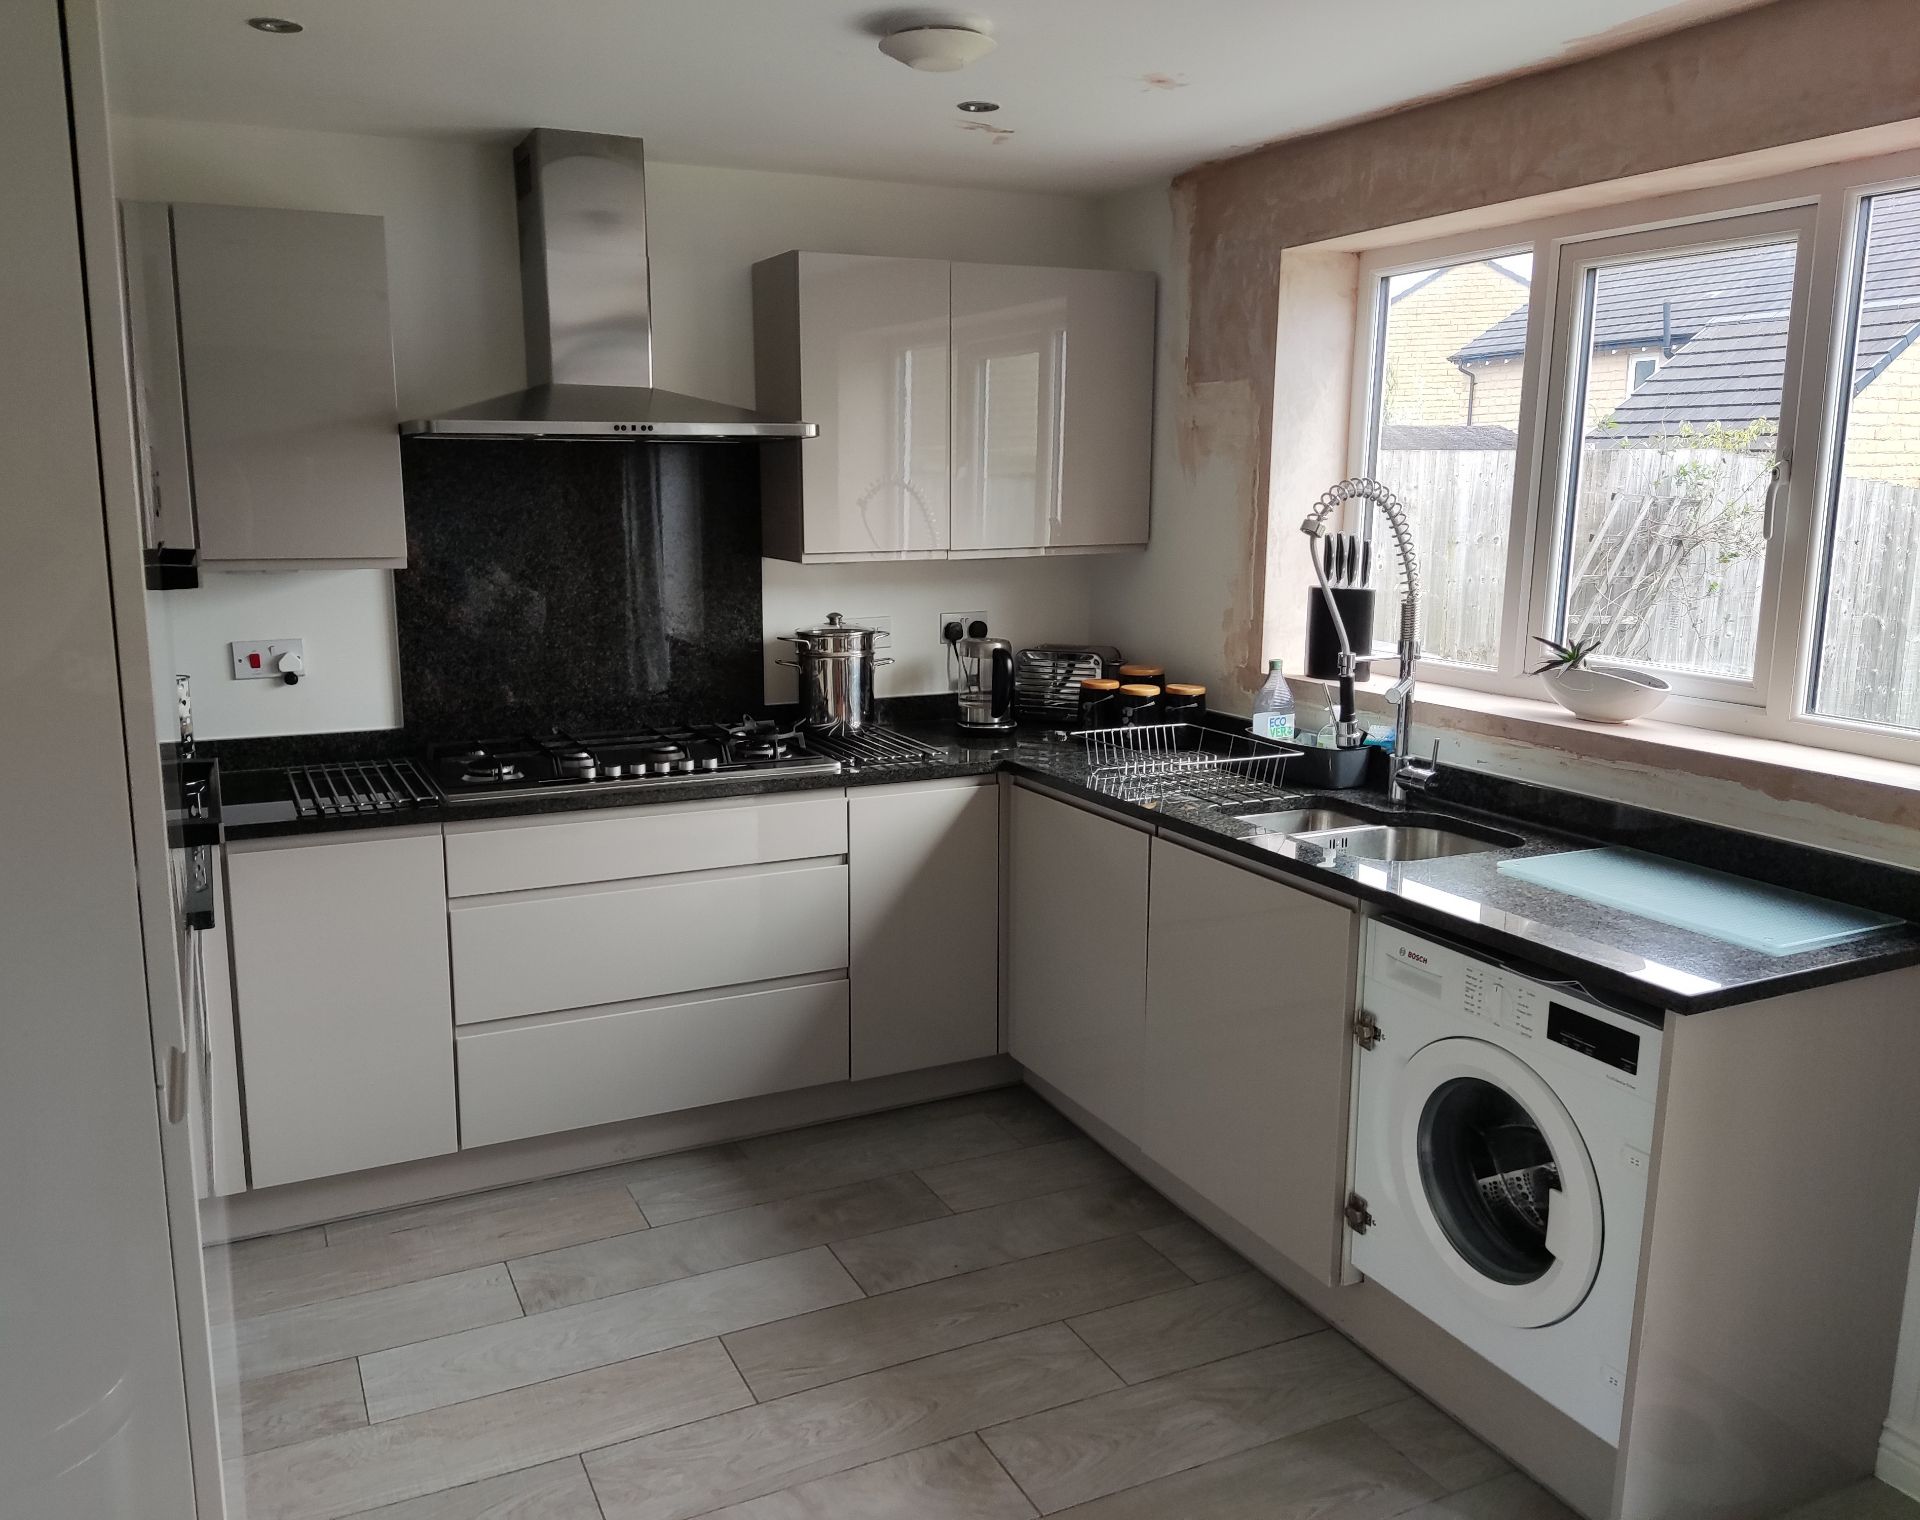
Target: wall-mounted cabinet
[(964, 409), (266, 404)]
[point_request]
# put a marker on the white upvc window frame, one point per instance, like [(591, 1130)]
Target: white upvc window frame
[(1823, 205)]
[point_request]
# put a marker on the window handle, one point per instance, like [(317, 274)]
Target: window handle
[(1776, 490)]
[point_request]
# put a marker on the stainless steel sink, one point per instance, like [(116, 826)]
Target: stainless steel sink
[(1358, 832)]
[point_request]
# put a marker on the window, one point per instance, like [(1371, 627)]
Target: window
[(1595, 423)]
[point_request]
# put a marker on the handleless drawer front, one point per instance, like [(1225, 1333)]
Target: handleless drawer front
[(582, 947), (543, 1076), (514, 855)]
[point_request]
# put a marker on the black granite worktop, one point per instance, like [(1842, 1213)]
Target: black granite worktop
[(1614, 954)]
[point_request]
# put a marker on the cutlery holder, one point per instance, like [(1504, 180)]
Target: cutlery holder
[(1323, 640)]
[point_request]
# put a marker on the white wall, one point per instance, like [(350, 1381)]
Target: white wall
[(451, 252)]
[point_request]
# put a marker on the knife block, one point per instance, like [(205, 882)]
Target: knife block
[(1323, 640)]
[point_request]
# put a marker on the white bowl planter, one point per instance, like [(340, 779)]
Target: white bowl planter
[(1605, 696)]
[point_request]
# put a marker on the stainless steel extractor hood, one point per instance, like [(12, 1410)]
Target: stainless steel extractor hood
[(589, 316)]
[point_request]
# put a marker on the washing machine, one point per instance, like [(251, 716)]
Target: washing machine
[(1502, 1137)]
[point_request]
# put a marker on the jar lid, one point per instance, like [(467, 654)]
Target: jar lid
[(1181, 689), (1099, 683), (1143, 670), (1135, 689)]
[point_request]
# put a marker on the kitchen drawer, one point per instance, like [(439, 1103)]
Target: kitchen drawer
[(539, 952), (541, 1076), (517, 854)]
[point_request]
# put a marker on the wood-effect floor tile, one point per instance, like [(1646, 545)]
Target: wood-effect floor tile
[(1337, 1472), (1035, 1169), (1069, 1456), (367, 1322), (692, 1183), (955, 1243), (1191, 1325), (1453, 1456), (552, 1491), (1024, 1114), (831, 1344), (474, 1363), (1512, 1497), (622, 1263), (443, 1213), (445, 1448), (284, 1407), (955, 1480), (523, 1227), (1869, 1499), (1199, 1253), (735, 1457)]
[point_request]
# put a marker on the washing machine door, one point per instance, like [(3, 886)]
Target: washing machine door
[(1497, 1181)]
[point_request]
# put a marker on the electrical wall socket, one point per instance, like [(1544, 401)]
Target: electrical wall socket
[(964, 619)]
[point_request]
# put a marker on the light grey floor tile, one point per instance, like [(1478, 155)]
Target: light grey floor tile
[(1024, 1114), (735, 1457), (285, 1407), (1452, 1455), (1202, 1323), (944, 1247), (831, 1344), (1199, 1253), (1337, 1472), (553, 1491), (444, 1448), (956, 1480), (429, 1374), (261, 1247), (522, 1227), (1068, 1456), (1869, 1499), (466, 1207), (1512, 1497), (1036, 1169), (367, 1322), (693, 1183), (622, 1263)]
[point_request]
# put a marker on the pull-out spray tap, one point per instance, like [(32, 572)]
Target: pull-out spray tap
[(1407, 773)]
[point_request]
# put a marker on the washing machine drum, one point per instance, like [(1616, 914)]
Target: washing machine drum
[(1498, 1181)]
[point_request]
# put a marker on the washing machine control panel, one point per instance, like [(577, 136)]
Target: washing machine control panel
[(1549, 1020)]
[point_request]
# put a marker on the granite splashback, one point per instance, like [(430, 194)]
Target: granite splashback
[(578, 585)]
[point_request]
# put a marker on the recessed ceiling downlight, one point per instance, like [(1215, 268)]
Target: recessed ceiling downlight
[(937, 49), (979, 107), (278, 25)]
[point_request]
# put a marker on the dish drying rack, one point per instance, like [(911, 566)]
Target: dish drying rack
[(1186, 762)]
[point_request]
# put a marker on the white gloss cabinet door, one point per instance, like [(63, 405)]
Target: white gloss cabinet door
[(345, 1003), (1248, 1048), (859, 346), (1052, 407), (1077, 954), (924, 906)]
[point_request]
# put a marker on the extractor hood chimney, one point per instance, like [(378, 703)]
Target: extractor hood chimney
[(588, 308)]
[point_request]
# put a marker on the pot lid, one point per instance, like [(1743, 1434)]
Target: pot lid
[(838, 633)]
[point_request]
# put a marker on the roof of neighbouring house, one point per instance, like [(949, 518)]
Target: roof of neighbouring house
[(1704, 289)]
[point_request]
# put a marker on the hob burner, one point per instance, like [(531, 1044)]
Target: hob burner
[(482, 768)]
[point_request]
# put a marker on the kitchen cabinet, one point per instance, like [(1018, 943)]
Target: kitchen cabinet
[(1247, 1045), (964, 409), (1077, 954), (1052, 408), (340, 978), (858, 346), (275, 337), (213, 1106), (924, 909)]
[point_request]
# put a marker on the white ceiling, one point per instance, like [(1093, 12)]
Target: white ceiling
[(1096, 94)]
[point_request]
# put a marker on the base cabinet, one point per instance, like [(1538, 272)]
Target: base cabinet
[(1247, 1048), (1077, 954), (345, 1003), (924, 908)]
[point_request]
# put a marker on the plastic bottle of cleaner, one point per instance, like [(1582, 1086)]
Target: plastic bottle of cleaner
[(1273, 706)]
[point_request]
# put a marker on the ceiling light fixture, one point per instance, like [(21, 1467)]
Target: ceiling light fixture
[(937, 49), (979, 107), (278, 26)]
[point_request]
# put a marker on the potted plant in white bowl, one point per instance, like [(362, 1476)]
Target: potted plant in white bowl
[(1615, 695)]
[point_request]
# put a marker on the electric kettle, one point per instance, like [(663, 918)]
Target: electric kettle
[(984, 681)]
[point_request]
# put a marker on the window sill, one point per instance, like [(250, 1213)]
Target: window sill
[(1877, 791)]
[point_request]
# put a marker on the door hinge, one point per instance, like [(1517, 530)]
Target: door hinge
[(1359, 1218), (176, 1084), (1366, 1031)]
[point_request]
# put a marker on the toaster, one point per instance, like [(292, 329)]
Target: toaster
[(1047, 677)]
